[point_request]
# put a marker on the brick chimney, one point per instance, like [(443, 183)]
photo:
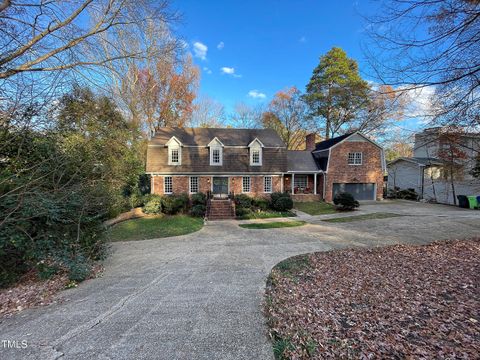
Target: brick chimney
[(310, 142)]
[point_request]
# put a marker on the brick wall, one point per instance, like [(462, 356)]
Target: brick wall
[(340, 172), (181, 184)]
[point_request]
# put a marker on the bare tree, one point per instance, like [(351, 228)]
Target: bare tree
[(431, 43), (247, 117), (208, 113)]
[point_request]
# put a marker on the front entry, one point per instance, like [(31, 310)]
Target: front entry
[(220, 186)]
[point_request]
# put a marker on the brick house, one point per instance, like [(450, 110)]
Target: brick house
[(257, 162)]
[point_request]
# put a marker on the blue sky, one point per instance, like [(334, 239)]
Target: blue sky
[(269, 44)]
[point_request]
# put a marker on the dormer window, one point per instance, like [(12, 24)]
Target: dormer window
[(216, 152), (174, 151), (255, 153)]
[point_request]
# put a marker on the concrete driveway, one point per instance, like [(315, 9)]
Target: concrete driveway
[(199, 296)]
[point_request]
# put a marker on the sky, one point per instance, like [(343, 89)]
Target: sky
[(249, 50)]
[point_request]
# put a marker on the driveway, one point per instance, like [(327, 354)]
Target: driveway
[(199, 296)]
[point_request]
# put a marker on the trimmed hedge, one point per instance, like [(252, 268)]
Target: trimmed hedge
[(345, 201)]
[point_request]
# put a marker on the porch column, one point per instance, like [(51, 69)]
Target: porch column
[(315, 183), (293, 178)]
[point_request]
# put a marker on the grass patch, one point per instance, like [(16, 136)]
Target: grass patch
[(265, 214), (271, 225), (154, 227), (372, 216), (315, 207), (293, 264)]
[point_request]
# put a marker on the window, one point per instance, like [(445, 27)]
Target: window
[(300, 181), (193, 184), (267, 184), (255, 156), (246, 184), (355, 158), (167, 185), (173, 156), (216, 156)]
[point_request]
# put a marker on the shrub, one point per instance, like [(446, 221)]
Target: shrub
[(260, 203), (407, 194), (153, 205), (183, 201), (199, 199), (243, 201), (172, 204), (283, 204), (345, 201), (198, 210), (277, 195), (239, 211)]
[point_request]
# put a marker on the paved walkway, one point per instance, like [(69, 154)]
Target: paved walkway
[(199, 296)]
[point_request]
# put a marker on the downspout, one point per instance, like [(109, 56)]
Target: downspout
[(423, 182), (324, 185)]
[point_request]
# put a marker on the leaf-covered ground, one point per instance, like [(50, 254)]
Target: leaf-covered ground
[(404, 302)]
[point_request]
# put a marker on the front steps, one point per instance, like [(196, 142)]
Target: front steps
[(221, 209)]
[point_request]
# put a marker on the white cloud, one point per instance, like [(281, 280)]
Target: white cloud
[(228, 70), (421, 103), (207, 70), (256, 94), (220, 45), (200, 50)]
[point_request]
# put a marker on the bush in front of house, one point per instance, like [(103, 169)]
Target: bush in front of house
[(173, 204), (243, 201), (239, 211), (199, 199), (345, 202), (281, 201), (153, 205), (198, 210), (260, 203), (407, 194)]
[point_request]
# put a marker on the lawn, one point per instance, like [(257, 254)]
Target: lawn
[(272, 225), (402, 302), (154, 227), (372, 216), (315, 207), (265, 214)]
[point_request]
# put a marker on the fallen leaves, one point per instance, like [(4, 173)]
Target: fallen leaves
[(402, 301)]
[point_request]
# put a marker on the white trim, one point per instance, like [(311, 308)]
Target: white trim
[(216, 173), (260, 155), (226, 146), (220, 155), (315, 183), (190, 184), (164, 187), (215, 139), (249, 185), (256, 140), (271, 184), (355, 158), (173, 138)]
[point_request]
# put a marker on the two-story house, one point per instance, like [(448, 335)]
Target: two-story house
[(257, 162), (440, 167)]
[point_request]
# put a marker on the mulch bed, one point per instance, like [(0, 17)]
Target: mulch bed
[(401, 302), (30, 291)]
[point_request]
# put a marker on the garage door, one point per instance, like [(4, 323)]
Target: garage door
[(359, 191)]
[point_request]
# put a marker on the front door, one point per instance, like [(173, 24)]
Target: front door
[(220, 186)]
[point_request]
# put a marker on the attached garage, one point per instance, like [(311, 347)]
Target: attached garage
[(360, 191)]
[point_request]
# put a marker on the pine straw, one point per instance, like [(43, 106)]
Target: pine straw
[(31, 291), (404, 301)]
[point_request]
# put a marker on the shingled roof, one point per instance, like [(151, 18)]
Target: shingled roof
[(228, 137), (301, 161), (327, 144)]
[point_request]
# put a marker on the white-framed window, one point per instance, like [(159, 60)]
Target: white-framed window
[(193, 184), (355, 158), (167, 185), (174, 156), (216, 156), (267, 184), (246, 184), (300, 181), (256, 156)]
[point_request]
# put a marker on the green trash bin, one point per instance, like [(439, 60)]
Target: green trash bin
[(472, 201)]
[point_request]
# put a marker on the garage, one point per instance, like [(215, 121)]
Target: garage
[(360, 191)]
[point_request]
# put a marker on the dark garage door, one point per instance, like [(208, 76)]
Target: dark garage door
[(359, 191)]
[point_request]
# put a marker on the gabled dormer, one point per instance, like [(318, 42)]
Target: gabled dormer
[(255, 148), (216, 152), (174, 151)]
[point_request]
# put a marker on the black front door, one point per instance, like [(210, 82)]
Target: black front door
[(220, 185)]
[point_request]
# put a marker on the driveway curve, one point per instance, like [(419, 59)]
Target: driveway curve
[(199, 296)]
